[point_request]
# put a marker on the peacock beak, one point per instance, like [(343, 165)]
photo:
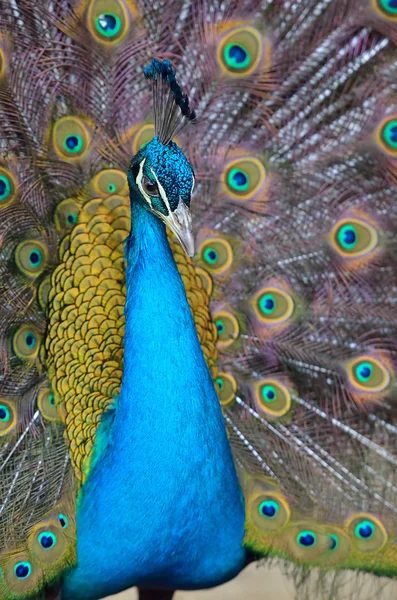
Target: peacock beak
[(180, 223)]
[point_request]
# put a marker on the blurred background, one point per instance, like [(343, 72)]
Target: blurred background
[(270, 583)]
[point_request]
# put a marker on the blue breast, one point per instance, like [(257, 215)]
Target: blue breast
[(162, 505)]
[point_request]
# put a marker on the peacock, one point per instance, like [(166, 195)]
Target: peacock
[(198, 287)]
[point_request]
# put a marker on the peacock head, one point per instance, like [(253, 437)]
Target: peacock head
[(160, 176), (162, 181)]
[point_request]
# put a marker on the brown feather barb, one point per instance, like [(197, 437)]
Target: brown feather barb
[(292, 288)]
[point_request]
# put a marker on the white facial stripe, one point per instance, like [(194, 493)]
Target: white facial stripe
[(139, 178), (193, 184), (162, 193)]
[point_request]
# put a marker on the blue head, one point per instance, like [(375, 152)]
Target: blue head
[(162, 181), (160, 176)]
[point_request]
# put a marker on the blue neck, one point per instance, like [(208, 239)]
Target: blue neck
[(162, 505)]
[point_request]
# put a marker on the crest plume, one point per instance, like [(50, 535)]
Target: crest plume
[(171, 106)]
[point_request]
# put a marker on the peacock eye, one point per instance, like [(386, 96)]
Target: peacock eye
[(366, 532), (386, 132), (150, 187), (23, 570), (26, 342), (108, 182), (5, 188), (353, 238), (242, 178), (368, 374), (274, 305), (306, 539), (109, 20), (227, 387), (236, 56), (108, 24), (269, 393), (71, 138), (67, 214), (238, 180), (228, 328), (272, 398), (63, 520), (46, 404), (333, 542), (31, 257), (47, 540), (364, 372), (387, 7), (269, 509), (241, 51), (8, 417), (5, 414), (73, 143), (389, 134)]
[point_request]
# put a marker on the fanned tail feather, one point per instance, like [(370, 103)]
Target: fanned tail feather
[(295, 158)]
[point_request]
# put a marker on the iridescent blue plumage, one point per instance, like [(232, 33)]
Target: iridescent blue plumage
[(162, 505), (111, 338)]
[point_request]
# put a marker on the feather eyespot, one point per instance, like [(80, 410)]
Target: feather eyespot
[(389, 134), (109, 182), (108, 24), (5, 414), (242, 178), (333, 542), (26, 342), (216, 254), (63, 520), (67, 214), (226, 387), (8, 417), (71, 138), (228, 328), (386, 8), (21, 577), (368, 374), (31, 257), (270, 511), (272, 398), (354, 238), (367, 532), (238, 180), (108, 21), (240, 51), (43, 292), (7, 188), (306, 539), (386, 135), (338, 547), (273, 305), (47, 543), (311, 542), (23, 570), (47, 540), (46, 404), (73, 143)]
